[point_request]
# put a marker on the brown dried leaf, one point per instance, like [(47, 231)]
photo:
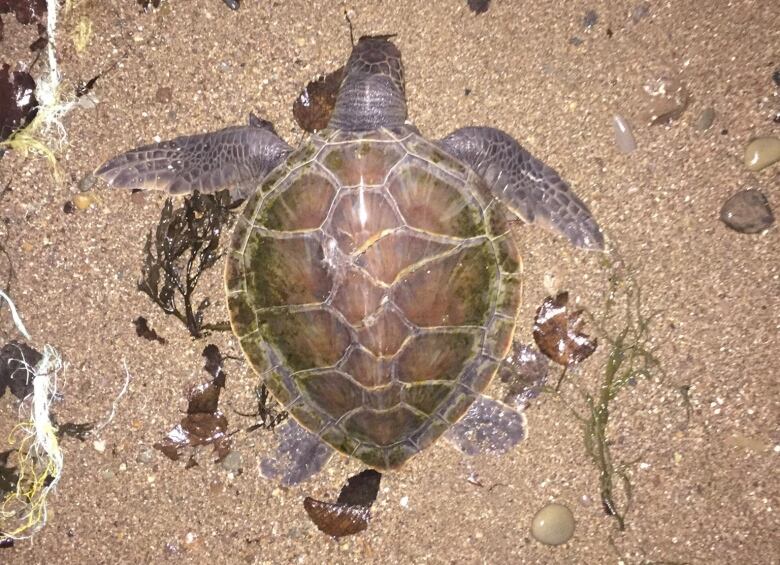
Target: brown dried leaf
[(337, 520), (557, 332), (351, 513), (314, 106), (361, 489), (204, 423)]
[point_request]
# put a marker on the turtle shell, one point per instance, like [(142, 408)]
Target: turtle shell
[(374, 285)]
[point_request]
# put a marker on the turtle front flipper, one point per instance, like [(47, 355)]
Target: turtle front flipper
[(372, 93), (531, 189), (489, 426), (206, 162), (299, 456)]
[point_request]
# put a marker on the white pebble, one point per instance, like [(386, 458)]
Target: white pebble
[(624, 138)]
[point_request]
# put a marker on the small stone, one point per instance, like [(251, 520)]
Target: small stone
[(640, 11), (668, 99), (776, 77), (705, 119), (145, 455), (624, 138), (84, 200), (86, 184), (164, 94), (553, 525), (590, 19), (99, 445), (762, 152), (747, 211), (232, 462)]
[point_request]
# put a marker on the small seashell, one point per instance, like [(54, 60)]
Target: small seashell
[(624, 138)]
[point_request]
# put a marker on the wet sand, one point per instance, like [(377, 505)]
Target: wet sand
[(704, 480)]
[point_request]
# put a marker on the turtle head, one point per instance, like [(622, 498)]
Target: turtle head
[(372, 92)]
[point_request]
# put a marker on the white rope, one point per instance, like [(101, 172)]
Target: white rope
[(15, 315)]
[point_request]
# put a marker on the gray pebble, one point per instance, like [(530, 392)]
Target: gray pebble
[(164, 94), (640, 11), (705, 119), (86, 183), (624, 137), (590, 18), (145, 455), (232, 462), (747, 211)]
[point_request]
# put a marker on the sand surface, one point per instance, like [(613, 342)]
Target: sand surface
[(704, 474)]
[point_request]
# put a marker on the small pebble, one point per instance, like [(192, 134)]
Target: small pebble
[(747, 211), (624, 138), (163, 94), (776, 77), (84, 200), (145, 455), (668, 99), (99, 445), (705, 119), (86, 183), (762, 152), (640, 11), (590, 19), (232, 462), (553, 524)]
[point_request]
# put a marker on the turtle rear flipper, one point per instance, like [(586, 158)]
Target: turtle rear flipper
[(205, 162), (528, 187), (489, 426), (299, 456)]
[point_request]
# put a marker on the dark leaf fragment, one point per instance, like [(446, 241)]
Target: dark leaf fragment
[(314, 106), (479, 6), (148, 4), (204, 423), (184, 245), (361, 489), (16, 363), (26, 11), (8, 477), (71, 429), (337, 520), (524, 371), (557, 332), (351, 513), (18, 104), (143, 330)]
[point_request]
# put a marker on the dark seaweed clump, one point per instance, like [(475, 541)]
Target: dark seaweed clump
[(184, 246)]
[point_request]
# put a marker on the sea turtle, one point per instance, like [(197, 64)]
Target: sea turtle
[(373, 279)]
